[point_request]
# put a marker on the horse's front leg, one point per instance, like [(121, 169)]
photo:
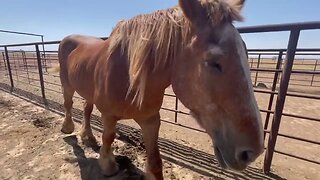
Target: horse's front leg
[(67, 125), (150, 131), (107, 160)]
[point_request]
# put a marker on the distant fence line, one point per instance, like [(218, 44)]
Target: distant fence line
[(257, 61)]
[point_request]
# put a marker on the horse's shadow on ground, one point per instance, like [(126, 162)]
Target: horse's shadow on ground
[(187, 157), (89, 167)]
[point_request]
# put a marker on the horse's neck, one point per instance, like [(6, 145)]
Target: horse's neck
[(160, 78)]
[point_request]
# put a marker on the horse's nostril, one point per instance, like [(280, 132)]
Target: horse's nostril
[(245, 156)]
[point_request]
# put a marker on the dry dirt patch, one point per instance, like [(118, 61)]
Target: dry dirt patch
[(32, 147)]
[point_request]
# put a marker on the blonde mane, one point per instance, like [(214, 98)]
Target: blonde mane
[(153, 41)]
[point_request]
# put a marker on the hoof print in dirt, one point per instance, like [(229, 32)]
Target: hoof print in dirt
[(41, 123)]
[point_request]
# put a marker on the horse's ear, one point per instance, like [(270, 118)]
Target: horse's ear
[(193, 11), (236, 8)]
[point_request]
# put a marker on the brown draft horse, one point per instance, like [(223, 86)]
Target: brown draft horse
[(195, 48)]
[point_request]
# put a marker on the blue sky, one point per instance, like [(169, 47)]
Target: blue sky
[(58, 18)]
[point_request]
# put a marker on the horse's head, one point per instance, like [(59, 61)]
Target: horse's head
[(212, 79)]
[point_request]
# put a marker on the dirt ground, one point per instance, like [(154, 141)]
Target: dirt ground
[(32, 147)]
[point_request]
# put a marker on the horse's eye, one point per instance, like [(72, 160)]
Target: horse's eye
[(214, 64)]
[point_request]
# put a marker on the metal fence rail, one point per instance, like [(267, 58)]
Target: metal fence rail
[(276, 73)]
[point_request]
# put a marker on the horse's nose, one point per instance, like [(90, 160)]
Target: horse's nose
[(246, 156)]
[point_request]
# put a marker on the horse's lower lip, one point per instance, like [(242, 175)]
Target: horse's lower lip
[(219, 157)]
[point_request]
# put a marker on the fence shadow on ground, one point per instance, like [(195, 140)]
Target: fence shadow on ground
[(188, 157)]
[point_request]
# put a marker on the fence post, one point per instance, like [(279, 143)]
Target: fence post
[(9, 68), (292, 46), (258, 65), (314, 70), (24, 59), (14, 59), (25, 63), (281, 67), (176, 112), (44, 56), (273, 88), (41, 74), (4, 61)]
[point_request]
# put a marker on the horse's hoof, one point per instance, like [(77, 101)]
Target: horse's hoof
[(87, 140), (109, 166), (67, 128), (87, 135), (66, 131)]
